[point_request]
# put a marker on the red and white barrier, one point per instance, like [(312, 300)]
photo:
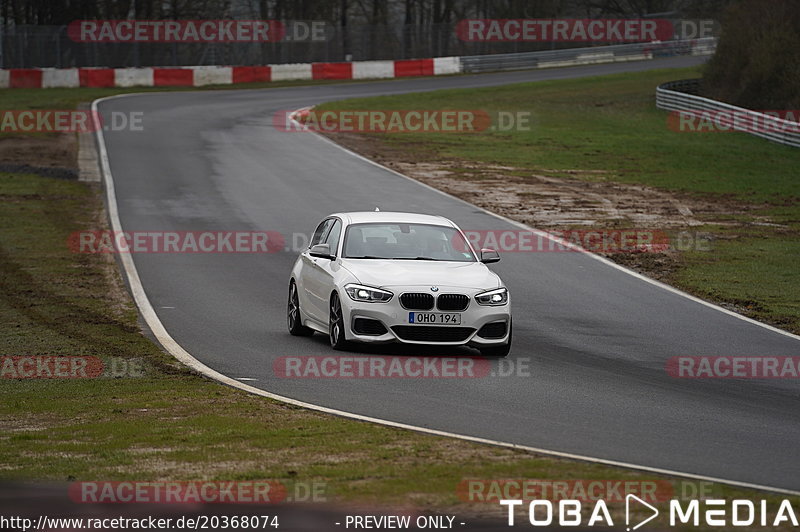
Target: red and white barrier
[(213, 75), (54, 77), (294, 71), (446, 65), (200, 76), (97, 77), (134, 77), (373, 69), (251, 74)]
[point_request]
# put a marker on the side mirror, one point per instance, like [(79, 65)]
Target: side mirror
[(322, 251), (489, 256)]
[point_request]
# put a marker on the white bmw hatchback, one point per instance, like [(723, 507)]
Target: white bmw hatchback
[(379, 277)]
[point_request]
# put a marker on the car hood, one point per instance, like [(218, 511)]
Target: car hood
[(387, 273)]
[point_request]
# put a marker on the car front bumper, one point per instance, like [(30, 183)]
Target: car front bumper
[(395, 319)]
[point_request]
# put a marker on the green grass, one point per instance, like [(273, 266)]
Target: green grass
[(605, 123), (759, 276), (611, 127)]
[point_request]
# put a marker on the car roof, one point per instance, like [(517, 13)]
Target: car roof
[(392, 217)]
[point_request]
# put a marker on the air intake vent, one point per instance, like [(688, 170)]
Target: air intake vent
[(493, 331), (368, 327), (432, 333)]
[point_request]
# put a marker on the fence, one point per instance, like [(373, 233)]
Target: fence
[(683, 96), (577, 56)]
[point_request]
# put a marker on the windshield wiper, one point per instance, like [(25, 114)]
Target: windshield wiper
[(367, 257), (415, 258)]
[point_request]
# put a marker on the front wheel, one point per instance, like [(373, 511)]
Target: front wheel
[(294, 321), (499, 351), (336, 324)]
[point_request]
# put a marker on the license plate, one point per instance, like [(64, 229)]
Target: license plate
[(434, 318)]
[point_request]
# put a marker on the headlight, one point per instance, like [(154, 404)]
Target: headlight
[(369, 294), (494, 298)]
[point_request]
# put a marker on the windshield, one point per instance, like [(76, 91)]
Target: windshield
[(406, 242)]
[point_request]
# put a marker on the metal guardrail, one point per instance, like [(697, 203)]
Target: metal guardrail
[(599, 54), (682, 96)]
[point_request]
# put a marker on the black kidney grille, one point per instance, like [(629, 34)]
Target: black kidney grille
[(432, 333), (416, 301), (452, 302)]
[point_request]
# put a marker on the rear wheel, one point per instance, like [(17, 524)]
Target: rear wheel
[(294, 321), (336, 324), (499, 351)]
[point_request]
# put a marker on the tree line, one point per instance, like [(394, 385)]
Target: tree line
[(757, 64), (345, 12)]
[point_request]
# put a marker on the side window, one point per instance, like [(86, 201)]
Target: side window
[(320, 232), (333, 237)]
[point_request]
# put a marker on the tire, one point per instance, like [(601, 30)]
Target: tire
[(293, 316), (336, 324), (500, 351)]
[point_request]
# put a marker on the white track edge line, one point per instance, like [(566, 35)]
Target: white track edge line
[(175, 349)]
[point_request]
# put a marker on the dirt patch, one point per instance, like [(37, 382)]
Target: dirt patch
[(27, 424), (551, 202), (52, 155), (47, 151), (546, 200)]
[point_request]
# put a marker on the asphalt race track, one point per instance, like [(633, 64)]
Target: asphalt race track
[(597, 338)]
